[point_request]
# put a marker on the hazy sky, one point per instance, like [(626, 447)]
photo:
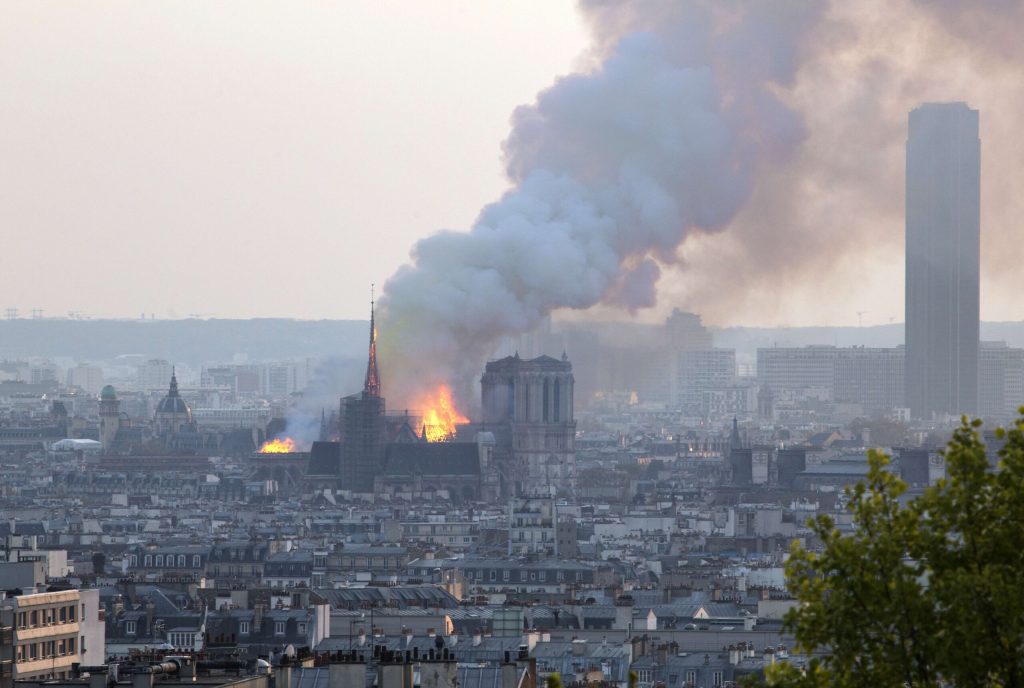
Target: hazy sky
[(251, 158), (240, 159)]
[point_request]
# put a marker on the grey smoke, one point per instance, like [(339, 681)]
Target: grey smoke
[(333, 377), (611, 170)]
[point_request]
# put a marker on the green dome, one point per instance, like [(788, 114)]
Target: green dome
[(108, 392)]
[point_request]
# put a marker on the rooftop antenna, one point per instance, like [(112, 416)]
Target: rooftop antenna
[(860, 318)]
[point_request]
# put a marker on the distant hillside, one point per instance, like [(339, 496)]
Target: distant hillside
[(186, 341), (199, 341)]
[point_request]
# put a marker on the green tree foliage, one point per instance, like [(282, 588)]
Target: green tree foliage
[(921, 592), (554, 681)]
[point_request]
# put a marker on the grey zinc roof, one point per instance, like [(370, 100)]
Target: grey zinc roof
[(479, 676)]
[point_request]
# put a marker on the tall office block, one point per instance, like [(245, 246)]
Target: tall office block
[(942, 254)]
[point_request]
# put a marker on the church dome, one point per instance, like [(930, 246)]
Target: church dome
[(172, 409), (175, 405), (108, 392)]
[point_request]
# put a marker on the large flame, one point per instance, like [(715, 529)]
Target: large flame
[(440, 415), (279, 445)]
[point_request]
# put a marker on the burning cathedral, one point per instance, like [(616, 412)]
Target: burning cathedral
[(523, 445)]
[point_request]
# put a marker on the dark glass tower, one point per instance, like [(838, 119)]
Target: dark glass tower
[(942, 253)]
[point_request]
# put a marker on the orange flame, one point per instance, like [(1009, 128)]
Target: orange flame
[(440, 415), (280, 445)]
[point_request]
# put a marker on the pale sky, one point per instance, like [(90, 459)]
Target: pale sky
[(272, 159), (239, 159)]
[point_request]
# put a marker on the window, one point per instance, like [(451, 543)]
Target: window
[(523, 573), (82, 644), (22, 619), (19, 655), (579, 576), (181, 561), (33, 651), (691, 678), (543, 576), (129, 627), (279, 628), (197, 561), (243, 627), (134, 560), (560, 576), (492, 576), (33, 619), (64, 614), (147, 560), (717, 679), (159, 560), (61, 647), (506, 575), (302, 629), (71, 613), (71, 645)]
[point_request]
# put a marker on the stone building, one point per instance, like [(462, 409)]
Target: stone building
[(528, 404)]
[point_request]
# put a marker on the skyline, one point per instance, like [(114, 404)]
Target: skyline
[(124, 203)]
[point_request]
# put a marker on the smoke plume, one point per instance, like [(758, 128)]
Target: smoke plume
[(611, 170), (332, 377), (821, 236), (783, 122)]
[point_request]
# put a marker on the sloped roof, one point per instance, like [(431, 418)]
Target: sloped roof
[(432, 458), (324, 458)]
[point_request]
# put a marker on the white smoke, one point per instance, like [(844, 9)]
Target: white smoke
[(332, 377), (611, 171)]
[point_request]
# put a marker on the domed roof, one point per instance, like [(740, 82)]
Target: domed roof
[(108, 392), (173, 404)]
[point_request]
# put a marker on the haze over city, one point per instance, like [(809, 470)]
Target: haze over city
[(450, 344), (299, 138)]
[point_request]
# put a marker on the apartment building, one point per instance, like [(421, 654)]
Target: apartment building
[(51, 631)]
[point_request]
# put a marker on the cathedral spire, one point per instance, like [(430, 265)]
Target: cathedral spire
[(174, 384), (372, 385)]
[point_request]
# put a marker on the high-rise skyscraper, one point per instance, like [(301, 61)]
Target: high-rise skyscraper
[(942, 254)]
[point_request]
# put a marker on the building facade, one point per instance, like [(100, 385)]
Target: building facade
[(870, 376), (943, 217), (53, 631), (532, 401), (1000, 382)]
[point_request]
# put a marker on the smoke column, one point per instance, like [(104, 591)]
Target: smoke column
[(610, 171)]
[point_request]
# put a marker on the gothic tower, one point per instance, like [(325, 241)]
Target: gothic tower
[(110, 417)]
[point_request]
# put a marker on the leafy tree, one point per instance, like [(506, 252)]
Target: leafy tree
[(922, 592)]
